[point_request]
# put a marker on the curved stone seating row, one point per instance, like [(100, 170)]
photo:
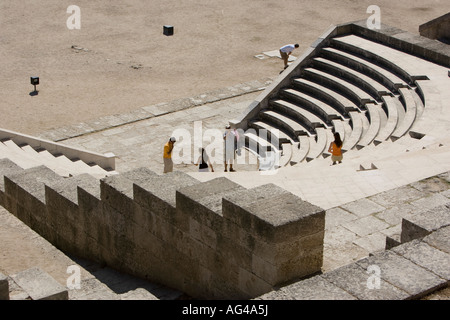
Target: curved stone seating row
[(258, 144), (318, 144), (278, 134), (368, 84), (373, 128), (352, 92), (410, 113), (300, 150), (382, 55), (326, 112), (293, 117), (357, 130), (339, 102), (392, 112), (382, 75)]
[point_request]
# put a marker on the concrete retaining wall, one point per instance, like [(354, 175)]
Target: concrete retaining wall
[(214, 240)]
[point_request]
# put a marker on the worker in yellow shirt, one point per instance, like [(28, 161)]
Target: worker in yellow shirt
[(167, 156)]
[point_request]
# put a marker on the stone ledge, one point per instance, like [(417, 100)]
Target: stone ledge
[(425, 222), (39, 285), (427, 257)]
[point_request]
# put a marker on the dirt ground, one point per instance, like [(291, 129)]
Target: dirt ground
[(119, 59)]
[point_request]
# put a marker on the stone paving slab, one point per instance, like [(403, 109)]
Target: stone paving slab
[(374, 242), (366, 225), (404, 274), (427, 257), (439, 239), (363, 207), (356, 281), (315, 288)]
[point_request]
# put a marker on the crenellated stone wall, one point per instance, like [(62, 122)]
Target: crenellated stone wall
[(212, 240)]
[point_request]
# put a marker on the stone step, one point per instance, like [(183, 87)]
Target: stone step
[(382, 75), (258, 144), (368, 84), (390, 104), (284, 112), (17, 156), (300, 150), (28, 157), (390, 149), (339, 127), (404, 274), (429, 160), (39, 285), (410, 114), (358, 96), (374, 126), (422, 224), (326, 112), (333, 98), (357, 131), (271, 131), (286, 154), (318, 144), (394, 60)]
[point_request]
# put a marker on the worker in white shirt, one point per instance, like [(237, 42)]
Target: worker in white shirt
[(286, 51)]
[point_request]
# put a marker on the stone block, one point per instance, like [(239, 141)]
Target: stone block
[(117, 192), (287, 232), (251, 284), (157, 196), (39, 285), (6, 167), (90, 208), (403, 274), (423, 223), (426, 256), (439, 239), (203, 201), (25, 197), (273, 214), (4, 287), (356, 281), (315, 288)]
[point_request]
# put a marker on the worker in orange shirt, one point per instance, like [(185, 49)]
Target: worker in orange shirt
[(336, 149)]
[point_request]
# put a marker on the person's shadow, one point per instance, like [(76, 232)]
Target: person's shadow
[(34, 93)]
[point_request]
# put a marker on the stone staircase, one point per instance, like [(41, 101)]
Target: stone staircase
[(28, 152), (366, 91)]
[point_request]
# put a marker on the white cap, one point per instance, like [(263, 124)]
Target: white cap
[(173, 139)]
